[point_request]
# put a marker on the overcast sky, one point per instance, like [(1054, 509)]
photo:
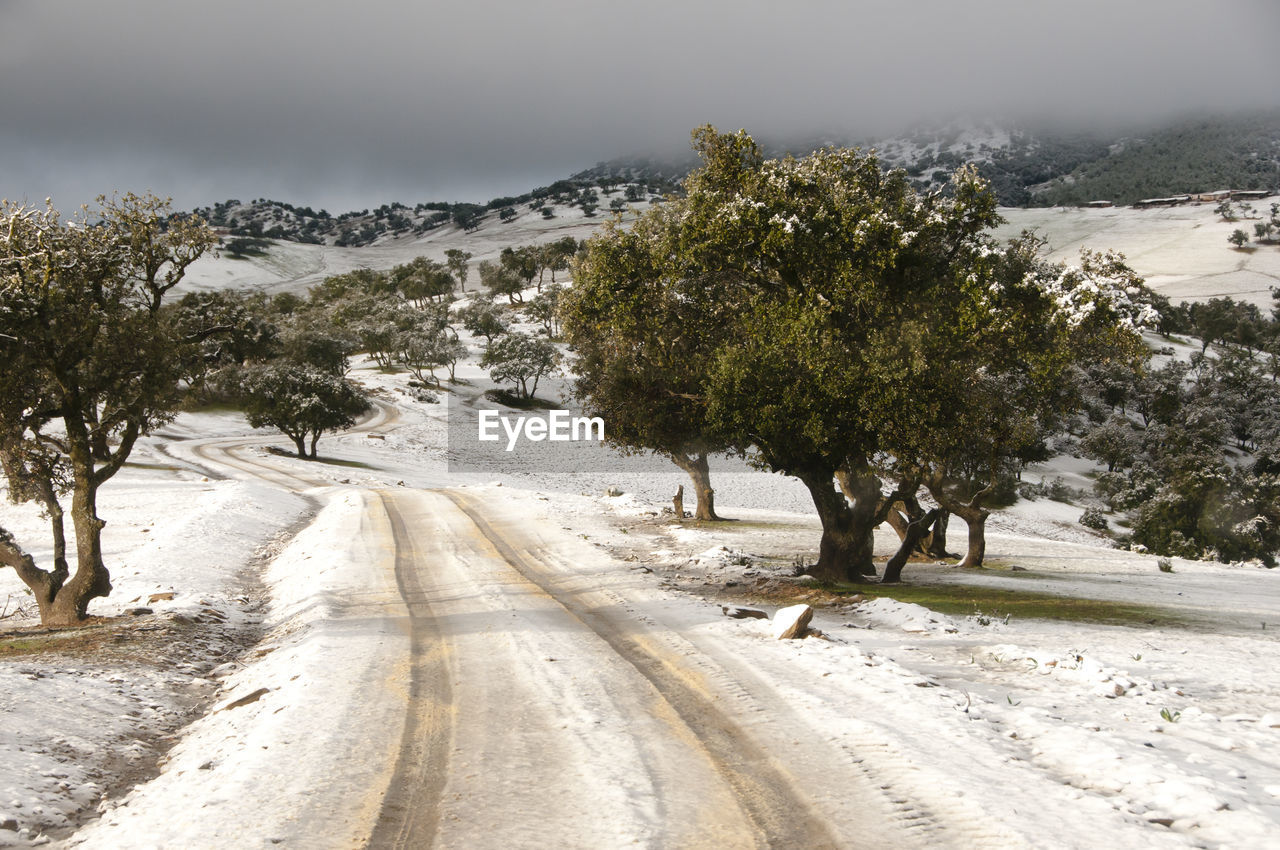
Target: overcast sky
[(347, 105)]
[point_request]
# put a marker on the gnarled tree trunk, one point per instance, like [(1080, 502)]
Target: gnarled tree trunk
[(845, 551), (91, 579), (915, 533), (972, 512), (935, 544), (699, 471)]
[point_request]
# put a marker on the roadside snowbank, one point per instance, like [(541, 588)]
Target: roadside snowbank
[(325, 688)]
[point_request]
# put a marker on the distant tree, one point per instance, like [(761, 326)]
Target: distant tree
[(302, 402), (499, 279), (313, 340), (456, 259), (423, 350), (243, 246), (523, 262), (482, 319), (544, 308), (373, 321), (507, 214), (468, 216), (520, 359), (89, 362), (421, 280), (1225, 210)]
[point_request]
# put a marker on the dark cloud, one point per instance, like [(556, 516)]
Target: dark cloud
[(347, 105)]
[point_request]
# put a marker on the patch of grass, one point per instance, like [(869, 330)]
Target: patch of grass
[(998, 603), (39, 641), (510, 399)]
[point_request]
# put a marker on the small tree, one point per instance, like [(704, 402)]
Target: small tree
[(89, 363), (482, 319), (520, 359), (300, 401), (499, 279), (422, 280), (456, 259), (1238, 238), (544, 309)]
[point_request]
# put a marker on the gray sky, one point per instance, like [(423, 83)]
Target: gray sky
[(352, 104)]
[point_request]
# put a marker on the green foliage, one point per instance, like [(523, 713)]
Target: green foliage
[(456, 259), (819, 313), (301, 401), (482, 319), (86, 352), (503, 279), (244, 246), (1195, 156), (421, 280), (520, 359), (1093, 518)]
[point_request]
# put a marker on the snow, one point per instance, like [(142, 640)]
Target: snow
[(1181, 252), (986, 731), (263, 773)]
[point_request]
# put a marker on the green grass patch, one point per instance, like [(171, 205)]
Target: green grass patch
[(998, 603)]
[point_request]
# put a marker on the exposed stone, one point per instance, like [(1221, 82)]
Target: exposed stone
[(738, 613), (791, 622), (160, 597), (245, 700)]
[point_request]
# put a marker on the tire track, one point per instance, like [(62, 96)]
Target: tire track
[(764, 789), (411, 810)]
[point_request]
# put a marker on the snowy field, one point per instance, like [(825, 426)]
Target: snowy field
[(241, 688), (1181, 251)]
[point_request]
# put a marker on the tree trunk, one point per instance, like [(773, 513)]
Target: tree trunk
[(91, 580), (916, 531), (699, 470), (845, 551), (300, 444), (936, 544), (972, 512), (897, 521), (57, 526), (315, 438), (677, 503), (976, 519)]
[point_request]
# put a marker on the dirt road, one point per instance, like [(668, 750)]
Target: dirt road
[(552, 703), (545, 715)]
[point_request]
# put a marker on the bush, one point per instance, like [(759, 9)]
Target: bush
[(1093, 518)]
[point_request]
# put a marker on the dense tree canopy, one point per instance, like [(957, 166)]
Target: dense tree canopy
[(822, 317)]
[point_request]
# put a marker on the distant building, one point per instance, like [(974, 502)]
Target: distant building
[(1250, 194), (1163, 202), (1099, 204), (1214, 197)]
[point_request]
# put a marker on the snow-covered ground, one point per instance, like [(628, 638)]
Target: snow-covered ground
[(1181, 251), (244, 709)]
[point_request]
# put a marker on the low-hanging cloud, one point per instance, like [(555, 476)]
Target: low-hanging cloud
[(349, 105)]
